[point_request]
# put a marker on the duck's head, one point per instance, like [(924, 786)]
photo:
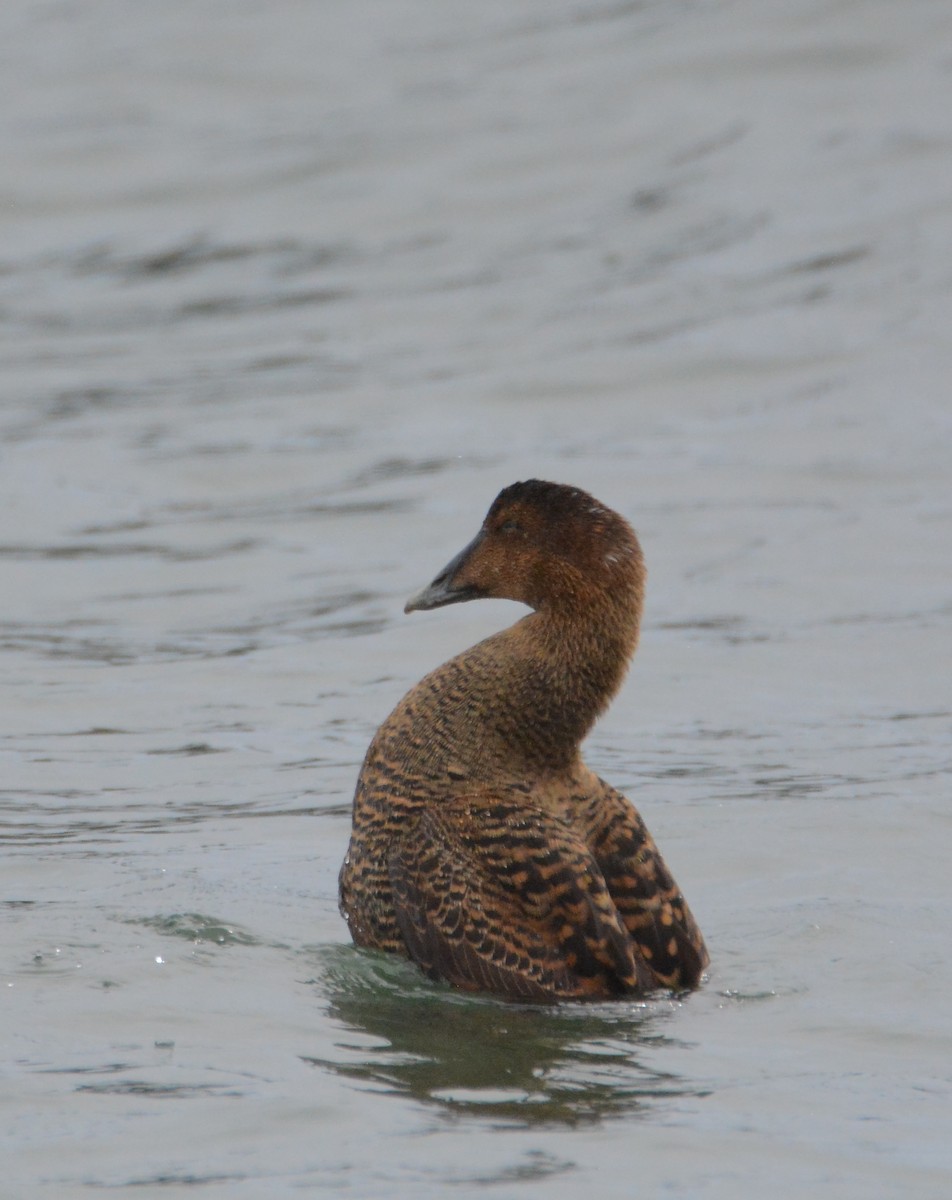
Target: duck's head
[(549, 546)]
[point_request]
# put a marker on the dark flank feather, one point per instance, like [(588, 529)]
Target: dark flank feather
[(648, 900)]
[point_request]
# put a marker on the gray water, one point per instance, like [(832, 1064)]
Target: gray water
[(288, 291)]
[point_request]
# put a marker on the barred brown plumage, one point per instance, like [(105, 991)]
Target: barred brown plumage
[(483, 848)]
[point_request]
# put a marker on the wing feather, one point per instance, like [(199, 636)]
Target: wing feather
[(495, 894), (646, 896)]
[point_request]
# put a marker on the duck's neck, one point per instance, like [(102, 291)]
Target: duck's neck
[(571, 669)]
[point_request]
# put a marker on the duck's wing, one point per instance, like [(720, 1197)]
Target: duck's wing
[(645, 894), (493, 894)]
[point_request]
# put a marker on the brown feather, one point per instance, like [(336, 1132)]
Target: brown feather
[(482, 846), (499, 895)]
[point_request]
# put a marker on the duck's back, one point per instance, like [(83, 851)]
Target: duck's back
[(449, 735)]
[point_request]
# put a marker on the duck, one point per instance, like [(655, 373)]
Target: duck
[(482, 847)]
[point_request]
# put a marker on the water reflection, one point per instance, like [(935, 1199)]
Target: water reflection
[(572, 1064)]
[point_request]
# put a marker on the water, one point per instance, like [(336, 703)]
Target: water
[(287, 293)]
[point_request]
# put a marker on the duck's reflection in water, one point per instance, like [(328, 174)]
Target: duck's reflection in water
[(561, 1064)]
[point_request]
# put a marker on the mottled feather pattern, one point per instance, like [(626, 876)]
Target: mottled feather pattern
[(482, 847), (648, 900), (503, 896)]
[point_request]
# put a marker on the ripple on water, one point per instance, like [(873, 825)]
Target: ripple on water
[(514, 1064), (197, 927), (287, 256), (345, 614), (158, 550)]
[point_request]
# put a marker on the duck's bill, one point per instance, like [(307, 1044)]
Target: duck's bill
[(449, 587)]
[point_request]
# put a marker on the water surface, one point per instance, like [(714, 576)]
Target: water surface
[(287, 293)]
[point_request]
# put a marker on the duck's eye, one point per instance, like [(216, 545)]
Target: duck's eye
[(510, 527)]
